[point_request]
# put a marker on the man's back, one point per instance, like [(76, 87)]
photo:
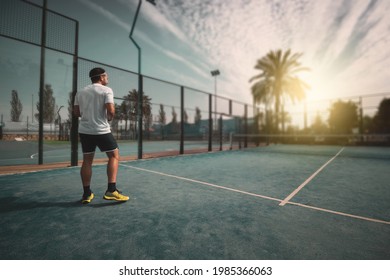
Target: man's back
[(92, 101)]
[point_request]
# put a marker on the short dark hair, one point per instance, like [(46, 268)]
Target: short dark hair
[(95, 73)]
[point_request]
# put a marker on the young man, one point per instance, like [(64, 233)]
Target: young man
[(95, 106)]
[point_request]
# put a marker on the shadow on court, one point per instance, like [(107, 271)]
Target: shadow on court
[(207, 206), (11, 204)]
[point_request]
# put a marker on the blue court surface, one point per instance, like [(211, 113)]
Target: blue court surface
[(279, 203)]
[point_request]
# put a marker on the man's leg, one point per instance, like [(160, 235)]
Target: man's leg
[(86, 169), (112, 170), (112, 165), (86, 175)]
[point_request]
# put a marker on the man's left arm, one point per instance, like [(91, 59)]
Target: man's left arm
[(110, 107)]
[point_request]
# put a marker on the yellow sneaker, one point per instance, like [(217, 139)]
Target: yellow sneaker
[(116, 195), (87, 199)]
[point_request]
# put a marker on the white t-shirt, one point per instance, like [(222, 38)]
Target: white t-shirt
[(92, 101)]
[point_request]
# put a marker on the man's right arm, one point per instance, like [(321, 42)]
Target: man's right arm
[(110, 107)]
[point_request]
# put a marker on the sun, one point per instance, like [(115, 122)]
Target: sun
[(321, 87), (319, 97)]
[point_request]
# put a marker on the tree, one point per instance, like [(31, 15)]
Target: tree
[(174, 116), (49, 105), (185, 116), (129, 109), (319, 126), (269, 123), (198, 116), (70, 107), (147, 115), (175, 124), (126, 111), (382, 117), (285, 117), (162, 119), (278, 80), (368, 124), (343, 117), (117, 117), (16, 107)]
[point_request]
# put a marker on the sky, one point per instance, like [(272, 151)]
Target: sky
[(344, 43)]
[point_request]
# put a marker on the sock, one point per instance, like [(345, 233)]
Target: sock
[(87, 190), (111, 187)]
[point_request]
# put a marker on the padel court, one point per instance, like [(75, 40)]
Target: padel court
[(306, 203)]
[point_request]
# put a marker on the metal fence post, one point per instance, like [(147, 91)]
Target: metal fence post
[(42, 83), (210, 123), (182, 120), (246, 126), (75, 121), (140, 114)]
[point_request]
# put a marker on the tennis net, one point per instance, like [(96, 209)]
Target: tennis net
[(359, 145)]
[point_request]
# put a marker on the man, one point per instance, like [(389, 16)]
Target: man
[(95, 106)]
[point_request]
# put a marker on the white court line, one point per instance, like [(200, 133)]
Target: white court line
[(291, 195), (339, 213), (258, 195)]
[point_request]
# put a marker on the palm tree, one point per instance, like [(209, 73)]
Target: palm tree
[(278, 80), (129, 109)]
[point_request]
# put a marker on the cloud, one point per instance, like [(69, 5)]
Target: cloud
[(157, 19), (107, 14), (340, 40), (361, 29), (196, 69)]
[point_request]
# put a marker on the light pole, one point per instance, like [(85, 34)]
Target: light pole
[(215, 73), (140, 93)]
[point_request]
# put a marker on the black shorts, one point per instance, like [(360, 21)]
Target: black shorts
[(105, 142)]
